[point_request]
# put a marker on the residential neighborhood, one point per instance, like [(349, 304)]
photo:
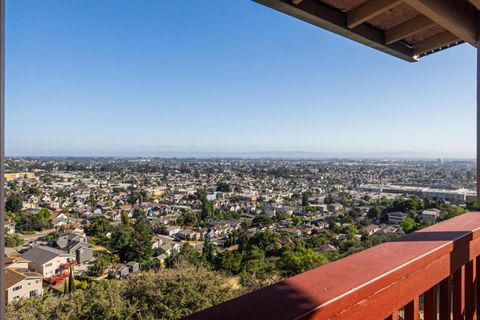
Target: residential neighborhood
[(110, 218)]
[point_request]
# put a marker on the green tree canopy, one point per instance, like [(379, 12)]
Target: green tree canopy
[(14, 203), (408, 225)]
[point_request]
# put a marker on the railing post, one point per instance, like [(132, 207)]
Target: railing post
[(478, 128), (470, 280), (430, 304), (445, 299), (477, 283), (394, 316), (459, 293), (411, 310)]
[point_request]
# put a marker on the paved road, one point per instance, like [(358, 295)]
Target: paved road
[(32, 237), (27, 239)]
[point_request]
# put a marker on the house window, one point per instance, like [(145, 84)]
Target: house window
[(33, 293), (17, 288), (48, 265)]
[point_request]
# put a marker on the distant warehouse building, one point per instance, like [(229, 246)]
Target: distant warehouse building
[(19, 175), (448, 195), (451, 195)]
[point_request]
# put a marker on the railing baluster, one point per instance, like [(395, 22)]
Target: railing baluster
[(430, 304), (470, 291), (459, 294), (477, 284), (393, 316), (411, 310), (445, 299)]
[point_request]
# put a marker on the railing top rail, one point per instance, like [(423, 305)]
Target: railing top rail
[(330, 289)]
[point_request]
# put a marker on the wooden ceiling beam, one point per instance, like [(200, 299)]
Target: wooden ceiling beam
[(407, 29), (436, 42), (476, 3), (334, 20), (457, 16), (369, 10)]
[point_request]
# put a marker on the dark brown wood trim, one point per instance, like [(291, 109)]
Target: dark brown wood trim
[(326, 17)]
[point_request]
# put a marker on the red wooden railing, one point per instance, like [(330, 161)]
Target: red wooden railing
[(67, 265), (433, 273)]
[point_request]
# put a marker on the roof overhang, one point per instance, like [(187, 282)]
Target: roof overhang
[(406, 29)]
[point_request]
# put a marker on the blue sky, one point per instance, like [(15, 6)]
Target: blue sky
[(118, 77)]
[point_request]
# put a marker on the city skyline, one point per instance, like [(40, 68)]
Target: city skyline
[(82, 82)]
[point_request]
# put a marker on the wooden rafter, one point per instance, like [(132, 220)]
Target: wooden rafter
[(438, 41), (407, 29), (334, 20), (456, 16), (369, 10), (476, 3)]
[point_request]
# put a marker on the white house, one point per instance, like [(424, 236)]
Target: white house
[(45, 260), (22, 284), (430, 215)]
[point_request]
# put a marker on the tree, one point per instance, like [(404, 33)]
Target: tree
[(120, 240), (14, 203), (454, 211), (344, 199), (296, 261), (296, 220), (263, 220), (188, 218), (207, 208), (329, 199), (34, 191), (98, 227), (305, 199), (471, 206), (12, 241), (125, 218), (101, 300), (208, 250), (188, 256), (223, 187), (51, 236), (140, 247), (375, 213), (408, 225), (65, 286), (350, 231), (100, 265), (133, 243), (175, 293), (71, 281), (26, 221), (44, 214), (230, 261)]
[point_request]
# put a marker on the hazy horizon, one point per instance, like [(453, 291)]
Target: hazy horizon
[(255, 155)]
